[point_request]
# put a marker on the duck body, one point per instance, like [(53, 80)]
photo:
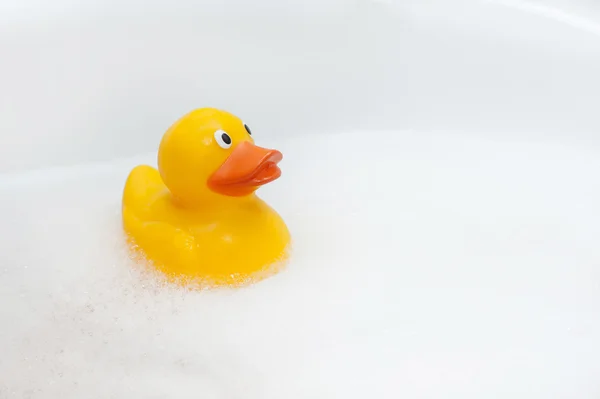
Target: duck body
[(197, 217)]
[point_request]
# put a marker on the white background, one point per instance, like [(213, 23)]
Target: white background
[(440, 180), (94, 80)]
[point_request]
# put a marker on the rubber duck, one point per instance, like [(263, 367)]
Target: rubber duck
[(197, 217)]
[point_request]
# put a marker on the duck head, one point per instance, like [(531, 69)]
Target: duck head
[(210, 154)]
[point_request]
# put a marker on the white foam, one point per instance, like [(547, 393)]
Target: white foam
[(425, 266)]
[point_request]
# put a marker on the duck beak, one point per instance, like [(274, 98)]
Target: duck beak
[(247, 168)]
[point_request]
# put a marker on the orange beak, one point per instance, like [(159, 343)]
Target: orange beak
[(247, 168)]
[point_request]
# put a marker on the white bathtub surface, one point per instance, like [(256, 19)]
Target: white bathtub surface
[(97, 81), (426, 265)]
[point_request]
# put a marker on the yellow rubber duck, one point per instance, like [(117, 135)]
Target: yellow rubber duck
[(197, 218)]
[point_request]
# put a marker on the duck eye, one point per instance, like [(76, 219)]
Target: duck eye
[(222, 139), (248, 129)]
